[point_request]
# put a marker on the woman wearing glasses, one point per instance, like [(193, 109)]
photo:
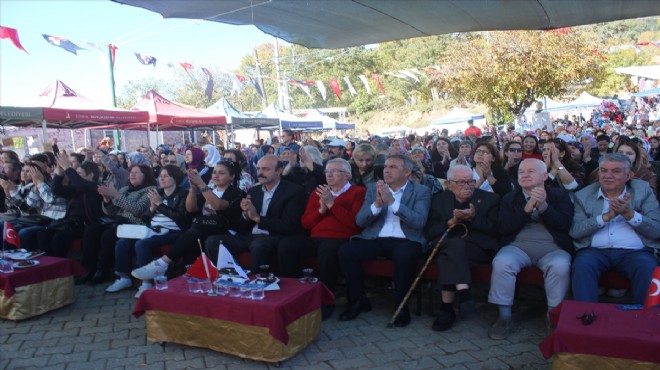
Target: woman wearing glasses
[(488, 172), (513, 151)]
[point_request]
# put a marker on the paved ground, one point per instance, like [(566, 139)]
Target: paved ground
[(98, 332)]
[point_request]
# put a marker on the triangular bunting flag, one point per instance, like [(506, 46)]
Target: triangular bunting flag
[(63, 43), (363, 78), (376, 77), (321, 87), (12, 35), (335, 87), (351, 89), (226, 260), (146, 59)]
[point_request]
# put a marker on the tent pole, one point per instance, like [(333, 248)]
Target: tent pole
[(73, 141), (44, 135)]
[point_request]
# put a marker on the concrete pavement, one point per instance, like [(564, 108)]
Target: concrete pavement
[(99, 332)]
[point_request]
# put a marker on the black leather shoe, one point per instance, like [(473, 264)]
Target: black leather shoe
[(96, 279), (403, 318), (444, 321), (326, 311), (354, 310)]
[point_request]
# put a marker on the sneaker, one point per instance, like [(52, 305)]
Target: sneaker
[(141, 290), (119, 285), (149, 271), (501, 329), (467, 310), (616, 293)]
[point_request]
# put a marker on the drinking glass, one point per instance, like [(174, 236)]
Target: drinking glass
[(161, 282), (6, 266), (205, 286), (264, 271), (246, 291), (221, 287), (308, 276), (194, 285), (258, 292), (234, 290)]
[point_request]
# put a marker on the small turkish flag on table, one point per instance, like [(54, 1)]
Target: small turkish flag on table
[(653, 296)]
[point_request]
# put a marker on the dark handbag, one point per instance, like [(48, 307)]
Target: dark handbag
[(113, 220), (64, 225), (208, 225), (32, 220)]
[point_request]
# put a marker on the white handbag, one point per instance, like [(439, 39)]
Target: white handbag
[(128, 231)]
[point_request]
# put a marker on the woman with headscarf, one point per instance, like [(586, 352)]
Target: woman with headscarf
[(212, 155), (195, 161)]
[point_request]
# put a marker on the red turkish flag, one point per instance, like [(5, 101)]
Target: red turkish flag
[(197, 269), (11, 236), (12, 35), (377, 78), (653, 295), (335, 87)]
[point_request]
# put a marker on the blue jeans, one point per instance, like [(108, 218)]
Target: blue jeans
[(28, 236), (143, 251), (590, 263)]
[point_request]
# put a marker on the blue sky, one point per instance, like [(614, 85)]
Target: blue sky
[(204, 44)]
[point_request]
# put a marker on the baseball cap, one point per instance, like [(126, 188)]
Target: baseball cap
[(337, 142)]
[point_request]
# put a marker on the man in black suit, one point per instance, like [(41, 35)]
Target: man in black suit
[(271, 211), (477, 210)]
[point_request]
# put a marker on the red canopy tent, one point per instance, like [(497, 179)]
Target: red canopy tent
[(166, 115), (62, 107)]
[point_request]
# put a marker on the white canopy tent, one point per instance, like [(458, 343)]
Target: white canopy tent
[(652, 72), (456, 120), (586, 100)]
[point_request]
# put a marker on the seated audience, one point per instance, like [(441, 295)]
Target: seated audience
[(478, 211), (330, 219), (616, 227), (271, 211), (533, 223), (393, 217)]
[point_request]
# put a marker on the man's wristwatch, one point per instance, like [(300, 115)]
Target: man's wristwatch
[(560, 168), (205, 189)]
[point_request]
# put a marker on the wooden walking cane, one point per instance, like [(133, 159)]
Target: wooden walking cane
[(426, 265)]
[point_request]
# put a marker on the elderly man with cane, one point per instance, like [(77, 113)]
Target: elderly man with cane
[(477, 210)]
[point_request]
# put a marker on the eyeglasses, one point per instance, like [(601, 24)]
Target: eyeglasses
[(463, 183), (516, 150), (334, 172)]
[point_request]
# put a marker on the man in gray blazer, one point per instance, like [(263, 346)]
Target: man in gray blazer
[(393, 216), (616, 227)]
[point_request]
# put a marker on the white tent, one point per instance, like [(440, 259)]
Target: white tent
[(549, 105), (456, 120), (586, 100), (329, 123), (651, 92), (394, 130), (652, 72)]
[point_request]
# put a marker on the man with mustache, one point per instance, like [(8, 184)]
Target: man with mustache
[(616, 227), (271, 211)]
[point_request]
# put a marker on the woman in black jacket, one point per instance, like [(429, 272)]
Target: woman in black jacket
[(490, 174), (215, 211), (83, 209), (166, 216)]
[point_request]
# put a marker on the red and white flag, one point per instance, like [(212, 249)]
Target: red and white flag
[(653, 295), (11, 236), (12, 35)]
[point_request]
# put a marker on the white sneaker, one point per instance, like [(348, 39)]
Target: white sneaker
[(149, 271), (119, 285), (141, 290), (616, 293)]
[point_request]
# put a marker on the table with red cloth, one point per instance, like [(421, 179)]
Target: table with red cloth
[(35, 290), (624, 339), (272, 330)]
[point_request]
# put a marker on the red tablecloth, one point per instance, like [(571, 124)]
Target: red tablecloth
[(49, 268), (279, 309), (615, 333)]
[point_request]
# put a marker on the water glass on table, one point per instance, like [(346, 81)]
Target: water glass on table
[(258, 292), (6, 266), (160, 282)]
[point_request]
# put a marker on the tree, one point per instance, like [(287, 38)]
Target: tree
[(508, 71)]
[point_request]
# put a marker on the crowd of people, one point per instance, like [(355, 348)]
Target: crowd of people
[(574, 200)]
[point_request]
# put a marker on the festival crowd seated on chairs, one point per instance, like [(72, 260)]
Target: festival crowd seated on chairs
[(337, 206)]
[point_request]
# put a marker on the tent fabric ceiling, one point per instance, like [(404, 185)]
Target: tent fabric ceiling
[(335, 24)]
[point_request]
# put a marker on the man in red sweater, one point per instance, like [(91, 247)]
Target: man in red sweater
[(330, 220), (472, 130)]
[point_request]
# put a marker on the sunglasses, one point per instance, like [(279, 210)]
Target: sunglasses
[(516, 150)]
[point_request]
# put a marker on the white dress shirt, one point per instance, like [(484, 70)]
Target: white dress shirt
[(392, 226), (617, 233)]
